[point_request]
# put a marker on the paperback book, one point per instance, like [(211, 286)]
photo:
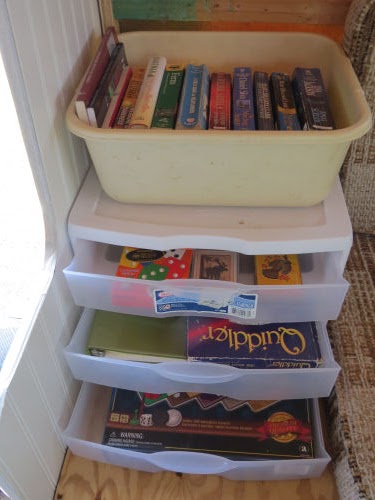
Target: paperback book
[(209, 423), (101, 100), (193, 108), (148, 93), (243, 100), (273, 345), (219, 117), (95, 73), (264, 118), (169, 96), (312, 100), (127, 106), (283, 102), (117, 98)]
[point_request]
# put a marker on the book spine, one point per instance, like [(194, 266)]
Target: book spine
[(117, 98), (283, 102), (148, 93), (312, 100), (169, 95), (192, 113), (262, 102), (130, 98), (101, 100), (95, 72), (243, 99), (220, 102)]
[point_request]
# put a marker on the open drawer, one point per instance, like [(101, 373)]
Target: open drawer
[(92, 281), (84, 434), (185, 376)]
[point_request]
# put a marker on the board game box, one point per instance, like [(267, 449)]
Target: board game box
[(273, 345), (146, 264), (210, 423), (215, 265), (277, 270)]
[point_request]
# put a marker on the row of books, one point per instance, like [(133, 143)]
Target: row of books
[(157, 265), (163, 95), (205, 339), (210, 423)]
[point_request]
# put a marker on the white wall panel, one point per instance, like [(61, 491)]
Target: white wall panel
[(55, 40)]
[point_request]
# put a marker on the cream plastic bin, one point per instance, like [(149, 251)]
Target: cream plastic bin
[(84, 434), (245, 168)]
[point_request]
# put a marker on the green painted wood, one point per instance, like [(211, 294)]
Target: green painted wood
[(177, 10)]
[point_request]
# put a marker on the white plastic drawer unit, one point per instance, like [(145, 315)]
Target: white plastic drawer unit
[(185, 376), (321, 235), (84, 434)]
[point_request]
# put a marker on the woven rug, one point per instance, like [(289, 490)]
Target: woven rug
[(351, 407)]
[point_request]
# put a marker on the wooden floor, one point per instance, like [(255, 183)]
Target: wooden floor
[(83, 479)]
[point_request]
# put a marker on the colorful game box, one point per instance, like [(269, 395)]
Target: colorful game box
[(210, 423), (145, 264), (273, 345), (277, 270)]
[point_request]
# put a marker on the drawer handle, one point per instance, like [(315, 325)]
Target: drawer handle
[(191, 462), (210, 373)]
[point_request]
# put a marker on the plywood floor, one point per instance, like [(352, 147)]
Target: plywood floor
[(83, 479)]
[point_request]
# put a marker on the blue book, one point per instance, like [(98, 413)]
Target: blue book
[(273, 345), (242, 99), (193, 109)]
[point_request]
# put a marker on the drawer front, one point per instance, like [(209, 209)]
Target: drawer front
[(85, 430), (93, 284), (185, 376)]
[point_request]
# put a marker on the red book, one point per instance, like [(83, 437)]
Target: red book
[(117, 98), (95, 72), (220, 102)]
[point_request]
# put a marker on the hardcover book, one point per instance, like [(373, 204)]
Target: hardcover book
[(169, 96), (243, 100), (137, 338), (209, 423), (311, 98), (117, 98), (277, 270), (146, 264), (219, 116), (273, 345), (95, 73), (130, 98), (148, 93), (193, 108), (264, 118), (283, 102), (101, 100)]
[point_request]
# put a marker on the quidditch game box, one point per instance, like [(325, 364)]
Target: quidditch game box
[(210, 423), (272, 345)]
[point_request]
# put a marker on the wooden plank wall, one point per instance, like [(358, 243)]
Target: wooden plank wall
[(323, 16)]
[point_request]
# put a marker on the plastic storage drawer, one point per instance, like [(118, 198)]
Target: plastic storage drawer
[(84, 433), (185, 376), (242, 168), (92, 282)]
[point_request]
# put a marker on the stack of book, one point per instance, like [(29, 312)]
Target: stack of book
[(175, 96)]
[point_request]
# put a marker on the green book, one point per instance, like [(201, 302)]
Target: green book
[(137, 338)]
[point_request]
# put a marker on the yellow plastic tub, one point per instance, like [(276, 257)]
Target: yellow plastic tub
[(238, 168)]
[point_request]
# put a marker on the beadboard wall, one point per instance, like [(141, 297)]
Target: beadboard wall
[(54, 40)]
